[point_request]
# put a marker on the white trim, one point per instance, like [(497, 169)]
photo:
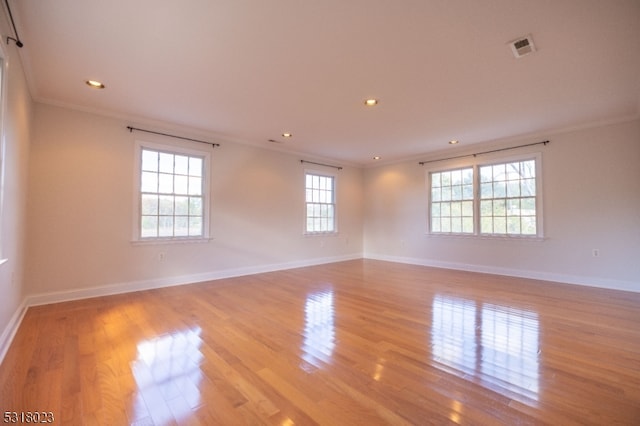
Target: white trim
[(11, 329), (150, 284), (605, 283)]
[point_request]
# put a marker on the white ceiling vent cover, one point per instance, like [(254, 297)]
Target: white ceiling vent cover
[(522, 46)]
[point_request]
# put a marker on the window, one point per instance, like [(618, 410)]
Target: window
[(452, 201), (320, 203), (173, 201), (498, 199), (508, 198)]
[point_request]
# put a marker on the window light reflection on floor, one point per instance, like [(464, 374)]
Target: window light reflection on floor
[(492, 343)]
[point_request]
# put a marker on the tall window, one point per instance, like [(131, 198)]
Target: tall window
[(500, 199), (320, 203), (173, 200), (508, 198), (452, 201)]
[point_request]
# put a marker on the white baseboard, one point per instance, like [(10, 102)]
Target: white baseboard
[(536, 275), (131, 286), (10, 330)]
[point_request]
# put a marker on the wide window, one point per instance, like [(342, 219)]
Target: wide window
[(173, 200), (320, 203), (500, 198)]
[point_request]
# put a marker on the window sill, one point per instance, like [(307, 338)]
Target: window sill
[(533, 238), (156, 241), (321, 234)]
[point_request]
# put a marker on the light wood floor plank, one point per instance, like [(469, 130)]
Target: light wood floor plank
[(358, 342)]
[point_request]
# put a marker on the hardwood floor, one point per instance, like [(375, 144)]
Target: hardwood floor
[(353, 343)]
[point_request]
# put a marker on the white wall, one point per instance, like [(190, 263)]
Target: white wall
[(591, 182), (16, 134), (81, 203)]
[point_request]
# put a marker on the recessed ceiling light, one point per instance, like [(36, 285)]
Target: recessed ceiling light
[(286, 135), (453, 142), (94, 84), (371, 102), (377, 157)]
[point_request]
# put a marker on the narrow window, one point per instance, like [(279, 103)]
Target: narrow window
[(173, 200), (320, 203)]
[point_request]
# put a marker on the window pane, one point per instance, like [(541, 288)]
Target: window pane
[(513, 225), (181, 226), (149, 182), (195, 186), (195, 226), (166, 163), (528, 187), (486, 190), (500, 225), (195, 166), (467, 224), (486, 208), (436, 195), (149, 226), (467, 192), (467, 208), (165, 183), (166, 205), (182, 206), (181, 166), (486, 225), (435, 209), (181, 185), (149, 204), (435, 225), (456, 224), (149, 160), (486, 174), (499, 189), (195, 206), (513, 189), (456, 192), (529, 225), (499, 172), (446, 193), (165, 226), (435, 180)]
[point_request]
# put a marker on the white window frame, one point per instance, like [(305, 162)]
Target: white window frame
[(334, 176), (206, 197), (476, 163)]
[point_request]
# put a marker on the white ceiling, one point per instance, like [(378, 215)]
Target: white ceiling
[(249, 70)]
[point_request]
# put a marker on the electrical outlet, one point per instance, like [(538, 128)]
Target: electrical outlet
[(161, 256), (595, 253)]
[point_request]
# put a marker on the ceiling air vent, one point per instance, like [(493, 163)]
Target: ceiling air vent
[(522, 46)]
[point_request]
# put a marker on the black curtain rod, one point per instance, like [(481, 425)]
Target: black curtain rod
[(131, 129), (422, 163), (320, 164), (13, 24)]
